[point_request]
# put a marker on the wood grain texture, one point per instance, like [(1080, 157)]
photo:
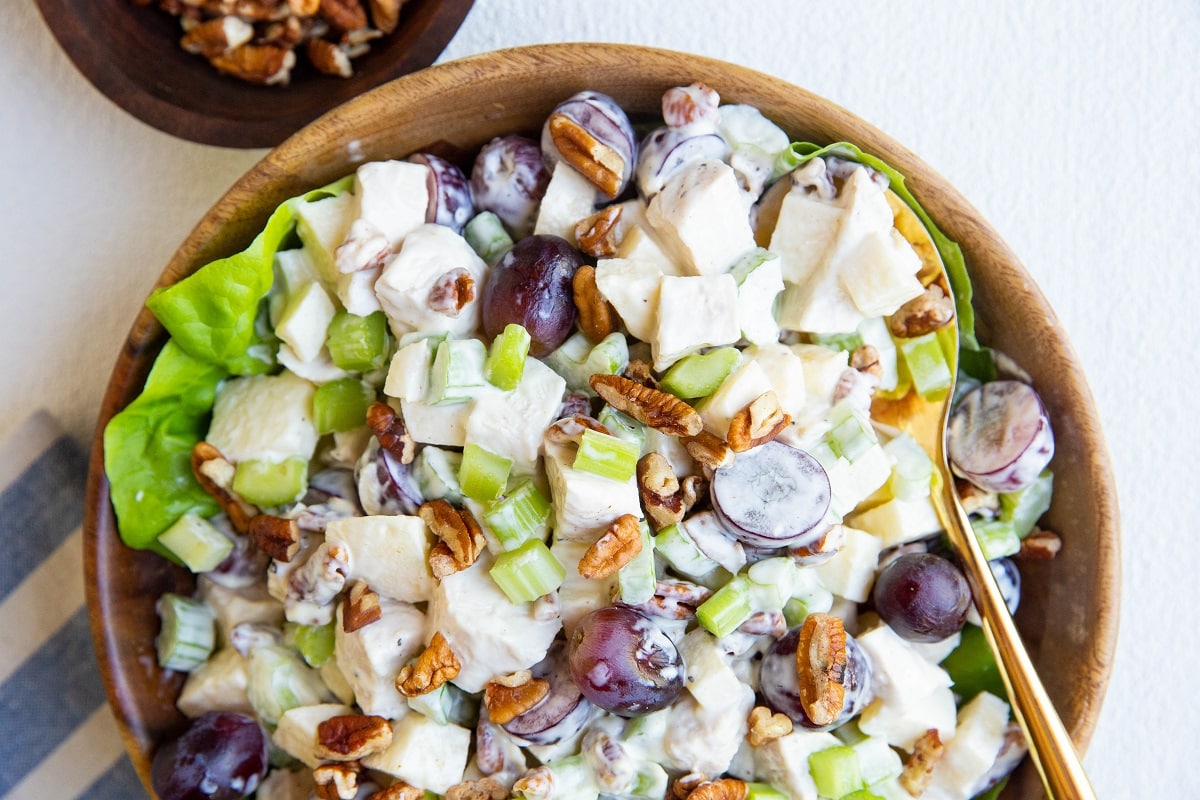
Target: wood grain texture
[(1068, 615), (131, 53)]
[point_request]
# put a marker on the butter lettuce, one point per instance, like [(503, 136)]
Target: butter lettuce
[(211, 313), (974, 359)]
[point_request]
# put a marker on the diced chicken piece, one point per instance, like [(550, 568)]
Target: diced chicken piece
[(393, 196), (823, 369), (235, 606), (371, 656), (489, 634), (408, 373), (742, 387), (425, 287), (356, 291), (335, 679), (322, 226), (512, 423), (911, 694), (424, 753), (700, 218), (389, 553), (305, 320), (585, 504), (902, 724), (265, 418), (703, 738), (898, 669), (638, 241), (296, 734), (757, 291), (710, 678), (783, 762), (694, 312), (936, 652), (968, 757), (785, 371), (579, 596), (804, 234), (632, 286), (851, 571), (218, 684), (569, 198)]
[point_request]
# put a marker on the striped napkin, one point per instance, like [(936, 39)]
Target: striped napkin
[(59, 739)]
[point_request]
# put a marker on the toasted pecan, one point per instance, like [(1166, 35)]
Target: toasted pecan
[(659, 410), (614, 549)]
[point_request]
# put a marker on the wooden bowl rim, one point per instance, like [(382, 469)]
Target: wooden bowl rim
[(267, 184)]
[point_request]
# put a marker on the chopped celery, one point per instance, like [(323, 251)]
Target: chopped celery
[(795, 611), (837, 341), (699, 375), (852, 434), (487, 236), (436, 471), (996, 538), (577, 360), (506, 361), (835, 771), (196, 542), (772, 582), (435, 704), (874, 331), (315, 642), (457, 373), (728, 608), (483, 474), (623, 426), (341, 405), (1023, 509), (358, 344), (878, 761), (528, 572), (926, 365), (972, 666), (607, 456), (521, 516), (861, 794), (187, 636), (913, 470), (673, 543), (637, 579), (266, 483), (277, 679), (763, 791), (650, 782)]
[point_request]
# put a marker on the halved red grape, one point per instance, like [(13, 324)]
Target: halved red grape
[(221, 756), (509, 179), (623, 662), (666, 150), (772, 496), (450, 201), (602, 118), (531, 286), (562, 713), (386, 486), (779, 682), (923, 597), (999, 436)]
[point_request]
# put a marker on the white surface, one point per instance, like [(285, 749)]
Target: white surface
[(1073, 126)]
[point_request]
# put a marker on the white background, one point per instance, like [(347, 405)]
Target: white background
[(1073, 126)]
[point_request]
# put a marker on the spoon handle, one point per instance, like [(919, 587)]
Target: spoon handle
[(1049, 743)]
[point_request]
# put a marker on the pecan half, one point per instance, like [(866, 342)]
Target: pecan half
[(214, 473), (924, 314), (482, 789), (536, 782), (641, 372), (821, 666), (398, 791), (266, 64), (350, 737), (828, 545), (709, 450), (686, 784), (758, 423), (976, 500), (569, 430), (687, 105), (462, 539), (723, 789), (865, 358), (597, 235), (436, 665), (215, 36), (277, 537), (1040, 546), (597, 317), (662, 496), (385, 14), (393, 435), (508, 697), (344, 15), (451, 292), (613, 550), (304, 8), (596, 161), (336, 781), (918, 772), (328, 58), (659, 410), (766, 727), (361, 609)]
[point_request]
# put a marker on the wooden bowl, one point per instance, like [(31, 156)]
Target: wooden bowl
[(131, 53), (1068, 613)]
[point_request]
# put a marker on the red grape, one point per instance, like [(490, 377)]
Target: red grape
[(531, 286), (779, 682), (999, 436), (450, 201), (923, 597), (562, 713), (509, 179), (624, 663), (221, 756), (772, 496)]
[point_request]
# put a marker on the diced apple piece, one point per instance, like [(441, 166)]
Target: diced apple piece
[(322, 226), (632, 286), (851, 572), (424, 753), (511, 424), (737, 391), (305, 320), (371, 656), (569, 198), (700, 218), (694, 313)]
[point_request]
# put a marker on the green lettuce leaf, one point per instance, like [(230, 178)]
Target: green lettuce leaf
[(974, 359), (211, 313), (148, 446)]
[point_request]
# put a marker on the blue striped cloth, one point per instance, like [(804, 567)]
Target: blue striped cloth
[(59, 738)]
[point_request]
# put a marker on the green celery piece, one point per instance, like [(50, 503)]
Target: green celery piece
[(996, 537), (358, 344), (837, 341), (341, 405), (795, 611), (1023, 509), (974, 359), (522, 515), (728, 608), (861, 794), (505, 363), (699, 375), (266, 483), (926, 365), (196, 542), (315, 642), (527, 573), (186, 638), (483, 474), (623, 426), (835, 771), (763, 791), (972, 666), (148, 447), (457, 372), (211, 314), (607, 456), (487, 236), (994, 792), (637, 580)]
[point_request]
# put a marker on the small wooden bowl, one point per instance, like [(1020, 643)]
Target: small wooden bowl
[(1068, 614), (131, 53)]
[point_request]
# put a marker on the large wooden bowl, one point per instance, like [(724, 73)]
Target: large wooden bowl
[(1069, 612), (131, 53)]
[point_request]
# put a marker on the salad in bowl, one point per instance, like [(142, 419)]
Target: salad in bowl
[(563, 468)]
